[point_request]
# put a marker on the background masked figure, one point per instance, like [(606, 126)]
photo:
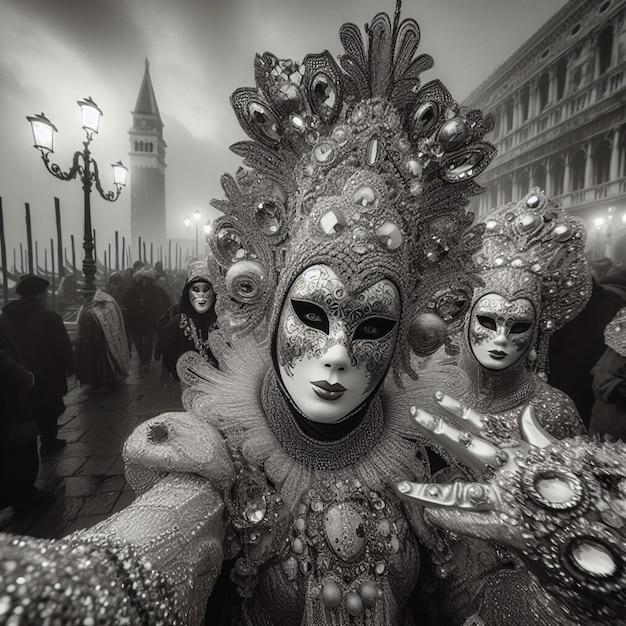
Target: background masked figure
[(102, 351), (196, 320), (347, 236), (504, 344)]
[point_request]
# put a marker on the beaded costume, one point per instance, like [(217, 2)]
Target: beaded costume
[(346, 236)]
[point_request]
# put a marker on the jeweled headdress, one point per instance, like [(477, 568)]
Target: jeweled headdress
[(533, 249), (354, 164)]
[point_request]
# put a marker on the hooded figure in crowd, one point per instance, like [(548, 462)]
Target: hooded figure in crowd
[(196, 320)]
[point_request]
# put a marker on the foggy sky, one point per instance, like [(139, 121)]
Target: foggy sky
[(54, 52)]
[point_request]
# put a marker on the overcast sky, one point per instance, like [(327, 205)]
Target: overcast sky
[(54, 52)]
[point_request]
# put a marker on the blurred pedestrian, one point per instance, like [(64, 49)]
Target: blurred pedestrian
[(102, 351), (45, 346), (19, 458), (195, 320), (609, 382), (145, 302)]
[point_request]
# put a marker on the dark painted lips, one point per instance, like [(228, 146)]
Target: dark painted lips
[(497, 354), (326, 391)]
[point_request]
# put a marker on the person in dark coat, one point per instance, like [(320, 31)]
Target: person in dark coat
[(608, 416), (45, 346), (19, 458), (144, 304), (576, 348), (189, 329)]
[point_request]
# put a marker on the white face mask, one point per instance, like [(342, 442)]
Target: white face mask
[(501, 331), (201, 296), (333, 347)]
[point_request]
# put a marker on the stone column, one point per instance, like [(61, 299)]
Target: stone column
[(589, 166), (549, 185), (615, 143), (567, 175)]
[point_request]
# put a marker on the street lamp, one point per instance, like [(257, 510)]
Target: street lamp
[(190, 228), (83, 167)]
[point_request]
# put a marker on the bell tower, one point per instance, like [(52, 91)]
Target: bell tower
[(147, 168)]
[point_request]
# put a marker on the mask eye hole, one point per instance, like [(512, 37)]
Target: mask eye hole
[(311, 315), (487, 322), (374, 328), (520, 327)]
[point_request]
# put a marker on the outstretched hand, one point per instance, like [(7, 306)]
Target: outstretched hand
[(560, 504)]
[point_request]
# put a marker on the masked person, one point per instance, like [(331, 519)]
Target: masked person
[(298, 459), (196, 320)]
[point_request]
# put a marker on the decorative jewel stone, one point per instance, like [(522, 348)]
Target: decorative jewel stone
[(252, 502), (331, 593), (323, 95), (416, 187), (324, 152), (437, 150), (340, 134), (246, 281), (298, 122), (381, 568), (424, 119), (333, 221), (268, 217), (499, 261), (366, 198), (229, 244), (462, 166), (528, 222), (297, 545), (344, 530), (452, 134), (517, 263), (369, 593), (395, 544), (306, 566), (264, 121), (491, 225), (358, 114), (414, 167), (312, 137), (532, 202), (384, 528), (593, 557), (360, 237), (317, 505), (389, 235), (372, 150), (562, 232), (354, 604), (535, 267)]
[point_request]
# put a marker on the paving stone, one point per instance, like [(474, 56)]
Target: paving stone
[(97, 465)]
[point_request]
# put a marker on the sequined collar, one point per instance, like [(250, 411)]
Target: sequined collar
[(321, 455)]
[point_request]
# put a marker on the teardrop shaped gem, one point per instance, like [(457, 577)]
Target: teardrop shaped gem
[(424, 119), (323, 95), (462, 167), (366, 198), (390, 236), (344, 530), (333, 221), (268, 217), (372, 150), (264, 122), (453, 134), (414, 167)]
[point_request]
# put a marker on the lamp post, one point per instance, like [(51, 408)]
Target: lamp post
[(190, 229), (598, 223), (83, 167)]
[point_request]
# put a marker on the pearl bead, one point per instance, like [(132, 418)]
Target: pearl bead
[(354, 604), (331, 594)]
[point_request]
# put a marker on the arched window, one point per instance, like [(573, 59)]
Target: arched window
[(507, 188), (540, 176), (136, 146), (561, 74), (605, 48), (544, 90), (622, 151), (151, 148), (525, 102), (602, 162), (558, 177), (578, 166), (523, 184), (508, 112)]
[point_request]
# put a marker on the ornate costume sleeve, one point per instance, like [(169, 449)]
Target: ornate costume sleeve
[(154, 563), (560, 505)]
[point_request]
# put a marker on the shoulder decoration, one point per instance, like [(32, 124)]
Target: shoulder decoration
[(615, 333)]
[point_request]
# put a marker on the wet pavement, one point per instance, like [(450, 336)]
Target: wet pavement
[(87, 476)]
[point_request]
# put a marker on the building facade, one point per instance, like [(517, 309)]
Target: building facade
[(560, 108), (147, 168)]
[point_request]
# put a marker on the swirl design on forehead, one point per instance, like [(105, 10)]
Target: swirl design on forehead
[(346, 313), (504, 314)]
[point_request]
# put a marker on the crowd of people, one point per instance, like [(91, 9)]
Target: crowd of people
[(379, 423)]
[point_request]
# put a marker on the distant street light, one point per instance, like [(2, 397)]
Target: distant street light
[(190, 228), (83, 167)]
